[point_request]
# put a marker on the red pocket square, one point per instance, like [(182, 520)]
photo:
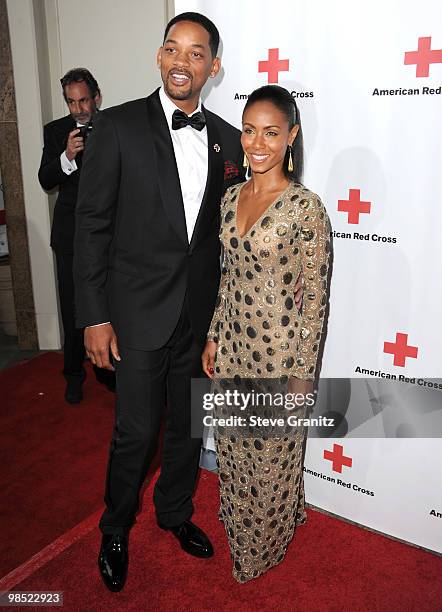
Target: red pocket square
[(230, 170)]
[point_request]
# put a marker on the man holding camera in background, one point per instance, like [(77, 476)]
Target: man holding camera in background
[(60, 167)]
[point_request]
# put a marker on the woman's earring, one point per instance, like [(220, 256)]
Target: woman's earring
[(290, 164), (245, 162)]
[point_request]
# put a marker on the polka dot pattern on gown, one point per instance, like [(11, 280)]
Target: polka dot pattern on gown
[(261, 334)]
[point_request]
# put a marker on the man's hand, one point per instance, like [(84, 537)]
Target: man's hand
[(299, 291), (97, 341), (75, 144), (208, 358)]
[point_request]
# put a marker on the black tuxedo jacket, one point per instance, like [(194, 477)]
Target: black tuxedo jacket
[(133, 264), (51, 176)]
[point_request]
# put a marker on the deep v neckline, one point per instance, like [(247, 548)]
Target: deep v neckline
[(277, 199)]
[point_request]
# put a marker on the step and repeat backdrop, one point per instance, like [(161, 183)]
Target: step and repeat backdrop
[(367, 78)]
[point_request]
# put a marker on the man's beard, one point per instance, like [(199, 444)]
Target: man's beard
[(84, 117), (178, 93)]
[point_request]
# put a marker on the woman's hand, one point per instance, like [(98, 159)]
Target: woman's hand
[(297, 385), (208, 358)]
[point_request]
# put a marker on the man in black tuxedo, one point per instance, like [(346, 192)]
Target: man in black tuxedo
[(147, 274), (64, 142)]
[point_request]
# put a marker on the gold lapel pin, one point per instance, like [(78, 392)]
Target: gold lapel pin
[(217, 147)]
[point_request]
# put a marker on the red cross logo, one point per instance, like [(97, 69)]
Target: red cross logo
[(423, 57), (354, 206), (338, 458), (273, 66), (400, 349)]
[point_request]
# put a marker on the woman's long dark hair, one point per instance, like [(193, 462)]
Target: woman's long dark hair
[(284, 102)]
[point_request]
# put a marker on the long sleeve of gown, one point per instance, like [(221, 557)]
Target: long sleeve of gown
[(219, 312), (315, 252)]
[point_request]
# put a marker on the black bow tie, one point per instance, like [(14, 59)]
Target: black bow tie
[(180, 120)]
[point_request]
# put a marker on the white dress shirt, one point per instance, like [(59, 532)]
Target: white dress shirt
[(190, 148)]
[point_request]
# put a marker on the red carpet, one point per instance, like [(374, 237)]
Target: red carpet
[(53, 465), (52, 455)]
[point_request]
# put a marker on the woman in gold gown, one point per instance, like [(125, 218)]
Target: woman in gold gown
[(272, 227)]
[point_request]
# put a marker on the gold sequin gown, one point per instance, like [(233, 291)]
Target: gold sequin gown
[(261, 334)]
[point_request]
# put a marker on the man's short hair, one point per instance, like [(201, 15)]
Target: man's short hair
[(80, 75), (203, 21)]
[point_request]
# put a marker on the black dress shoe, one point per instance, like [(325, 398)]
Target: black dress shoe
[(113, 561), (193, 540), (74, 392)]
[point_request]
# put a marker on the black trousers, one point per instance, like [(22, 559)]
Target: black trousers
[(73, 348), (151, 384)]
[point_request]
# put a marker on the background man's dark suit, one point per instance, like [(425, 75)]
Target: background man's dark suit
[(135, 268), (51, 176)]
